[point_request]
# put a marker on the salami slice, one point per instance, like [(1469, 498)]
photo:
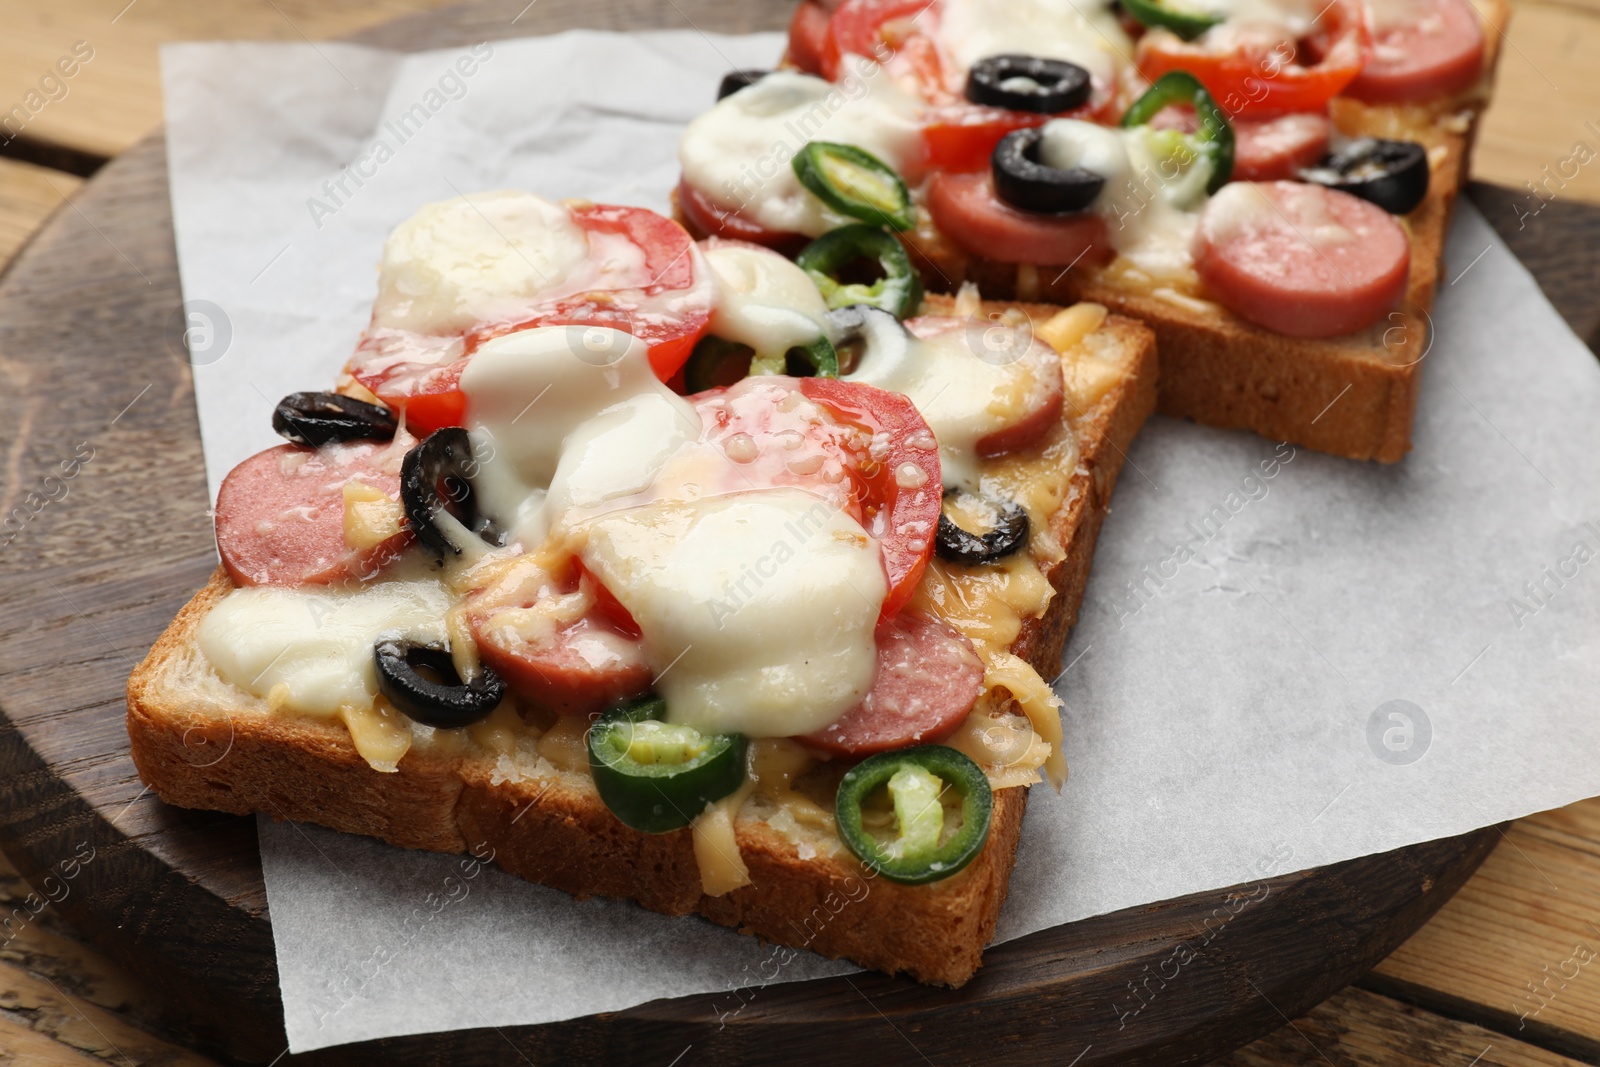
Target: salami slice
[(1422, 49), (966, 209), (578, 669), (559, 640), (1301, 260), (928, 679), (281, 513)]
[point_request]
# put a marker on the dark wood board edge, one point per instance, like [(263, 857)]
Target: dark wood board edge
[(55, 819)]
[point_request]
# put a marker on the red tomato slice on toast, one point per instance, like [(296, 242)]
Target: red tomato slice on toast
[(1253, 69), (663, 301)]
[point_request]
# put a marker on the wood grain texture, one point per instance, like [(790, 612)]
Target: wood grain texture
[(167, 888), (28, 196), (1559, 240), (1519, 949), (114, 98), (1361, 1029), (1546, 98)]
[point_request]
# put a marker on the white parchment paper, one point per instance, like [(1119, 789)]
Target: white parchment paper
[(1284, 659)]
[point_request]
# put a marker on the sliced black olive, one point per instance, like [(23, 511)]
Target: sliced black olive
[(319, 418), (1024, 182), (735, 80), (435, 478), (1028, 83), (442, 700), (1008, 531), (1391, 174)]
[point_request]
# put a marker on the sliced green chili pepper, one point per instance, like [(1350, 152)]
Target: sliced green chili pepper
[(716, 362), (1186, 24), (656, 776), (855, 183), (923, 849), (899, 291), (1214, 138)]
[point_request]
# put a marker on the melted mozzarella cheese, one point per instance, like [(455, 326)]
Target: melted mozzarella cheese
[(1085, 33), (964, 384), (1293, 18), (1150, 200), (739, 153), (528, 392), (763, 300), (317, 642), (757, 609), (1241, 210), (475, 259)]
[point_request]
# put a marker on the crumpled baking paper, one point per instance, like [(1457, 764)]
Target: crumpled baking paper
[(1284, 659)]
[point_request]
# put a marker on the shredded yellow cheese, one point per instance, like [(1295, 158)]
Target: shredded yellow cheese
[(716, 847), (370, 517), (1038, 703), (381, 734)]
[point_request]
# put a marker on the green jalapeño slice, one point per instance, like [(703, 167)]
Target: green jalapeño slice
[(657, 776), (915, 840)]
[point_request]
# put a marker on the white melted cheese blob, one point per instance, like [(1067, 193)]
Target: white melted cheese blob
[(763, 300), (1084, 32), (1241, 210), (317, 642), (757, 609), (1150, 202), (965, 385), (566, 416), (739, 153), (1292, 18), (480, 258)]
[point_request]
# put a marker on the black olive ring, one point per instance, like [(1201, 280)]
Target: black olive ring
[(1056, 85), (1390, 174), (317, 419), (443, 460), (963, 546), (1023, 182), (735, 80), (443, 704)]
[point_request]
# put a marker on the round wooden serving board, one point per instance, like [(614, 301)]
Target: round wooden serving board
[(99, 426)]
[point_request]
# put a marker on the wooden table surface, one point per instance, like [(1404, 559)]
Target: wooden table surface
[(1506, 975)]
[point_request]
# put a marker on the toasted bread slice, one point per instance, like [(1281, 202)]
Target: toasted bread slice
[(543, 820), (1352, 396)]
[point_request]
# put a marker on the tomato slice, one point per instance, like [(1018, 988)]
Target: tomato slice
[(1255, 70), (859, 448), (962, 137), (886, 30), (664, 304), (899, 484), (808, 36)]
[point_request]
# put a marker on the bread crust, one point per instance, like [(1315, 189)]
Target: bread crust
[(555, 830)]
